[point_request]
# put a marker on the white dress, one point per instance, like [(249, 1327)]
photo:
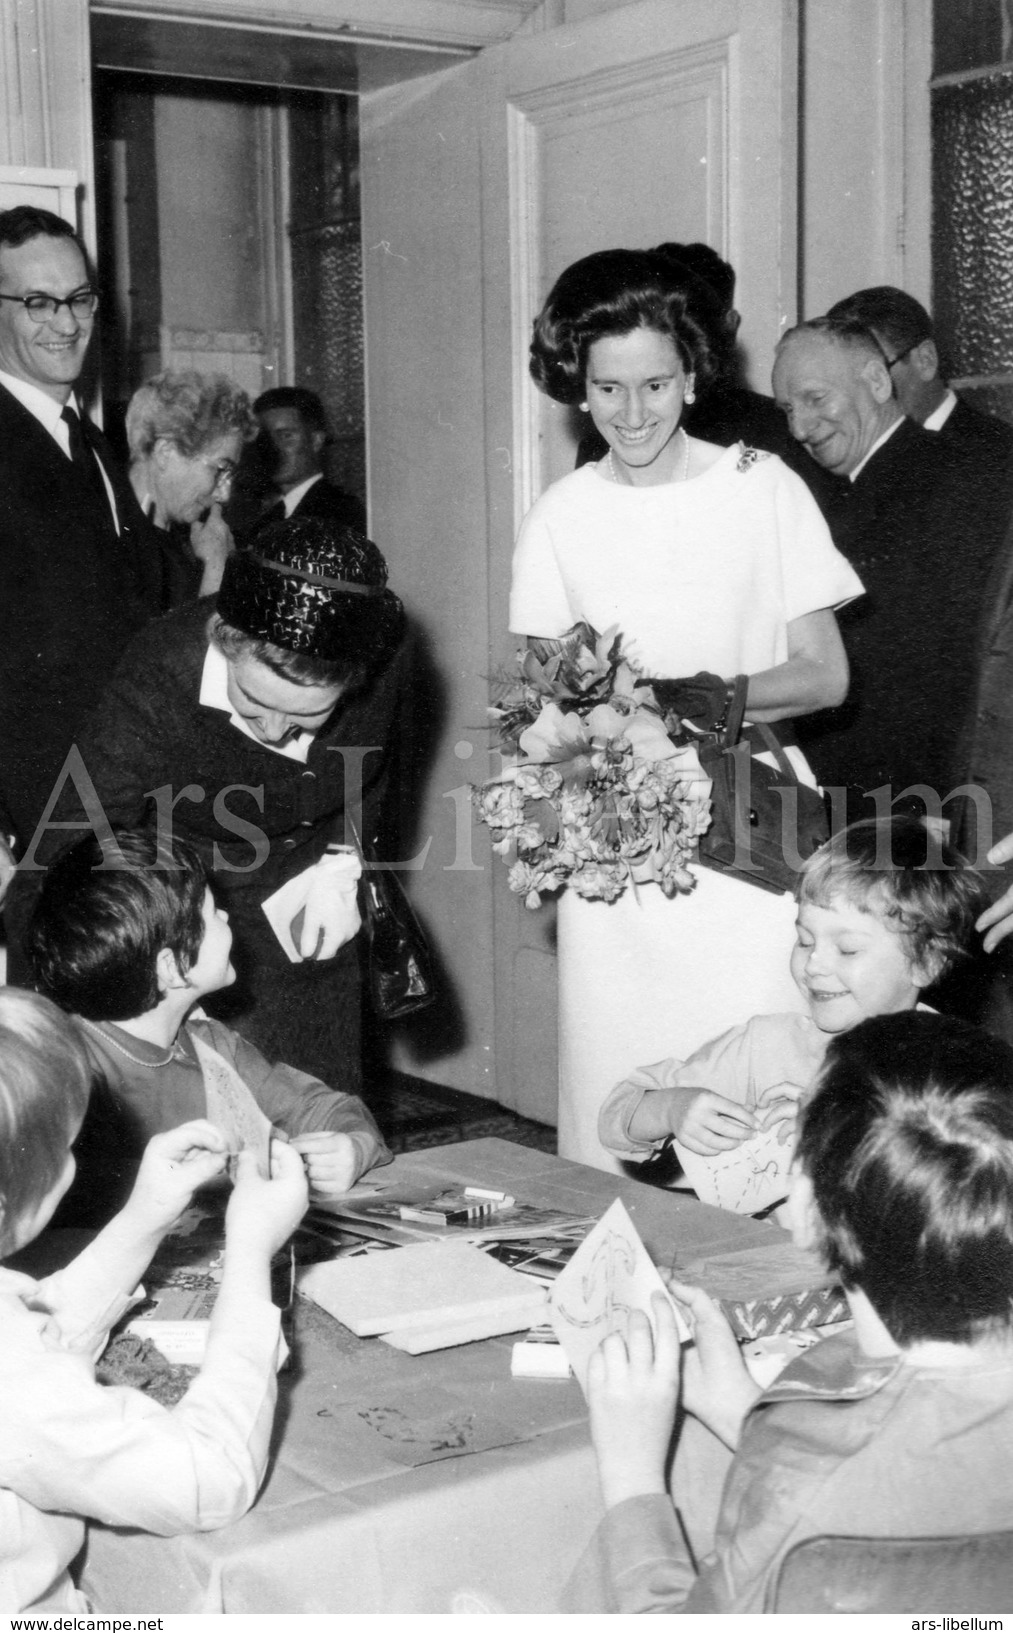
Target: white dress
[(705, 574)]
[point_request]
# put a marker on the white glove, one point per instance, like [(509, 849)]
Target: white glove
[(331, 911)]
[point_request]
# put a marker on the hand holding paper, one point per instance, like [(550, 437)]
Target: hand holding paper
[(173, 1166), (609, 1275), (318, 911), (331, 1159), (716, 1386), (633, 1391)]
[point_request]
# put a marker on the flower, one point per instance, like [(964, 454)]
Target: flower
[(595, 795)]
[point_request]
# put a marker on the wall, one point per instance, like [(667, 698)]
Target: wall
[(865, 201), (427, 457)]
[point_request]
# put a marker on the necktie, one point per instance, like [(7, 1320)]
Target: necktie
[(81, 454)]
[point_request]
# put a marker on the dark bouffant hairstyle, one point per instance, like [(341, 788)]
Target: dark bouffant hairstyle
[(613, 293), (900, 322), (908, 1144), (100, 923), (45, 1080), (899, 869)]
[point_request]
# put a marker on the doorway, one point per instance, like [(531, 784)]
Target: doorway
[(230, 243)]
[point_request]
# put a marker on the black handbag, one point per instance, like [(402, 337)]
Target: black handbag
[(765, 822), (399, 970)]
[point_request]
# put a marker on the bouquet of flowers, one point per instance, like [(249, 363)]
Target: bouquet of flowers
[(594, 793)]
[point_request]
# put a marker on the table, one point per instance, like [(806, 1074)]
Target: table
[(343, 1523)]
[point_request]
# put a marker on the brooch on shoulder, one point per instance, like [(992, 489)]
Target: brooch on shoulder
[(750, 457)]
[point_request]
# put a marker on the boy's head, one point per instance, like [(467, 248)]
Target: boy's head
[(907, 1146), (107, 942), (44, 1084), (883, 910)]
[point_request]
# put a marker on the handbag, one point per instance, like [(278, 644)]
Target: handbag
[(765, 822), (399, 971)]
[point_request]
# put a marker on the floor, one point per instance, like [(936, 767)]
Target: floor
[(413, 1113)]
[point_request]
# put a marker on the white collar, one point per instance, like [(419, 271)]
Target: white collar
[(41, 405), (214, 694), (939, 416), (887, 434), (295, 495)]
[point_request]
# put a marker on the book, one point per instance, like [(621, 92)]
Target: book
[(426, 1286), (485, 1324)]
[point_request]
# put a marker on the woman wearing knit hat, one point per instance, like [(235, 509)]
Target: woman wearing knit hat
[(249, 725)]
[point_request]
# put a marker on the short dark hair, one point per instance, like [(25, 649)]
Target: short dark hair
[(98, 926), (27, 221), (908, 1144), (895, 317), (45, 1080), (899, 869), (305, 402), (615, 292)]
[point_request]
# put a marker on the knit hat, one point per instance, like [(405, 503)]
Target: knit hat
[(303, 584)]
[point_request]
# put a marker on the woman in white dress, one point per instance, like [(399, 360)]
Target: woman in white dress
[(706, 558)]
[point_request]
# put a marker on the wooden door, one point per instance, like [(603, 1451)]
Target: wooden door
[(652, 122)]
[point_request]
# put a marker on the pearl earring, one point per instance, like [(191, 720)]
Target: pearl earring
[(689, 395), (583, 408)]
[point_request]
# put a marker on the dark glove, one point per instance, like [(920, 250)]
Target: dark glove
[(701, 698)]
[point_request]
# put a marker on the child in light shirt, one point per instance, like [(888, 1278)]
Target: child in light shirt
[(130, 951), (884, 909), (901, 1427), (71, 1449)]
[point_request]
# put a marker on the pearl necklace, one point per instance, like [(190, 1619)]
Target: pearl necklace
[(682, 476), (134, 1059)]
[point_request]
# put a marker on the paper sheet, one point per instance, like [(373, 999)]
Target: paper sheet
[(232, 1108), (609, 1275), (746, 1179)]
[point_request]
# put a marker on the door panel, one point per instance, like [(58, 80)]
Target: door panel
[(647, 123)]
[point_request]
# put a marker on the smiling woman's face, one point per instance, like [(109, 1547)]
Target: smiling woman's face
[(636, 387), (274, 708)]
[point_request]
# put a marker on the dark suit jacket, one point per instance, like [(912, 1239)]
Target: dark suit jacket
[(72, 592), (986, 750), (324, 499), (922, 527), (982, 436)]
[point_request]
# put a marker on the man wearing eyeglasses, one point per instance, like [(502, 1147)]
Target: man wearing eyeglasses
[(75, 580), (922, 528)]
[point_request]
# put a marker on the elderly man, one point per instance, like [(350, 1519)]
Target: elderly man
[(922, 529), (904, 331), (294, 434), (76, 580)]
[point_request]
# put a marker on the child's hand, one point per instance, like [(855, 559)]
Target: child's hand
[(263, 1213), (331, 1160), (716, 1387), (174, 1165), (633, 1391), (713, 1124), (779, 1103)]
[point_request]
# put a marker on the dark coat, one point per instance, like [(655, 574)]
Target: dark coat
[(922, 528), (982, 436), (324, 499), (72, 593), (256, 818)]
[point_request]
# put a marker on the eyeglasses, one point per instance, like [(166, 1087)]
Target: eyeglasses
[(41, 308), (891, 361), (224, 469)]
